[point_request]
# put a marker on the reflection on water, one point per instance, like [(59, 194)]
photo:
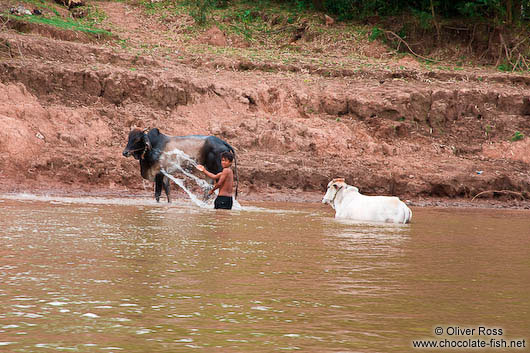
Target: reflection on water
[(111, 275)]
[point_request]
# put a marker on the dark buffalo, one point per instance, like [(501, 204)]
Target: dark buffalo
[(157, 152)]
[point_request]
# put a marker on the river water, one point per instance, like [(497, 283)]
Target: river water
[(129, 275)]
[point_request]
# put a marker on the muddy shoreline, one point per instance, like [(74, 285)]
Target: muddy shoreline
[(266, 196)]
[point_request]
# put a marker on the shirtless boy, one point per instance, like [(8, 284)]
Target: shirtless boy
[(224, 181)]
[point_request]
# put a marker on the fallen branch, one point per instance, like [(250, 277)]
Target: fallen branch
[(401, 40), (499, 192), (456, 28)]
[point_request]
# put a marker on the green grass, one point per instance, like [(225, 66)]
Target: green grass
[(63, 24)]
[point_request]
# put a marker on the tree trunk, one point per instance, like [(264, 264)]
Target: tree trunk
[(517, 5), (438, 32), (509, 12)]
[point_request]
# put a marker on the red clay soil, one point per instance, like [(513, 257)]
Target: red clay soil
[(430, 137)]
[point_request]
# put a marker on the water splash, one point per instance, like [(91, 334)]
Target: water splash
[(192, 197), (176, 161)]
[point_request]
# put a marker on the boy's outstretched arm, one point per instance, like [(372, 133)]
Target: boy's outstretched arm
[(208, 174)]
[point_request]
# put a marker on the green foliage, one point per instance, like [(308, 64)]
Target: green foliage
[(494, 11), (424, 17), (200, 10), (482, 9), (245, 16), (517, 136), (302, 5), (376, 33), (505, 66), (369, 8), (343, 9)]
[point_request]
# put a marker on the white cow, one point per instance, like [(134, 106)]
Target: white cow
[(348, 202)]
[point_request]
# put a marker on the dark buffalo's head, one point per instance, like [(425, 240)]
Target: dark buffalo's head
[(138, 143)]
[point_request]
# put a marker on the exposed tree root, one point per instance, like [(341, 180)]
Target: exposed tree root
[(509, 192)]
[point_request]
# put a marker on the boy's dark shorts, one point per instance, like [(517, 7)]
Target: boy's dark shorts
[(223, 202)]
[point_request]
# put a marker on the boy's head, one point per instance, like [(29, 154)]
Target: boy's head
[(227, 156)]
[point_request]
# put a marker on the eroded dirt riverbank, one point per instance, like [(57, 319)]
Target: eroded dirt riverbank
[(429, 136)]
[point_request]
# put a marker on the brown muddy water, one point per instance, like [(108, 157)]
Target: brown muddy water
[(129, 275)]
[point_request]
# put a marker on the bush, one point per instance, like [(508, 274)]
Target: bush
[(493, 11), (201, 8)]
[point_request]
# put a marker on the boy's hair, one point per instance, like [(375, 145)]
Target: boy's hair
[(227, 155)]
